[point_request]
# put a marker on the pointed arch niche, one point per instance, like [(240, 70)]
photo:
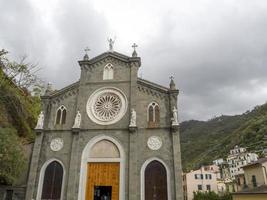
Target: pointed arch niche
[(102, 149), (108, 72), (154, 171), (51, 180)]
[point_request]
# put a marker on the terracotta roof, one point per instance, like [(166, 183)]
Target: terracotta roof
[(257, 190), (260, 161)]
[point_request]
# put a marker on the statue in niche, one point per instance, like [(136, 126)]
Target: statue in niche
[(175, 117), (133, 118), (77, 121), (40, 122)]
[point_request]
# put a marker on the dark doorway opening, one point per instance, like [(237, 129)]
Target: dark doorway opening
[(102, 192), (155, 181)]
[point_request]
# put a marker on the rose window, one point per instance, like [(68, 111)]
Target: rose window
[(106, 106)]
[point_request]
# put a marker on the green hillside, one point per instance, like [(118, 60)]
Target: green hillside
[(204, 141), (18, 115)]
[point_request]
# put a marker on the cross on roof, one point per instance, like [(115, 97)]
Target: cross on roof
[(87, 49), (171, 77), (134, 46)]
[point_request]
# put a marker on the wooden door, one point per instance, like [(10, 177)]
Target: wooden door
[(103, 174), (52, 181), (155, 181)]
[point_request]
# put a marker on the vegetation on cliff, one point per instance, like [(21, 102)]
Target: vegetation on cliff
[(204, 141)]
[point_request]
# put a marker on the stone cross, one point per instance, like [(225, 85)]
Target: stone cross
[(134, 46), (87, 49)]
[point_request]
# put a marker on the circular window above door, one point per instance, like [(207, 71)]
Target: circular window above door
[(106, 106)]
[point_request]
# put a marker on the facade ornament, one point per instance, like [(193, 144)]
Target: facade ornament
[(133, 118), (56, 144), (111, 44), (175, 117), (40, 122), (134, 54), (77, 121), (154, 143)]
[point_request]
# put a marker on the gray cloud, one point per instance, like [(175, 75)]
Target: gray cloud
[(217, 50)]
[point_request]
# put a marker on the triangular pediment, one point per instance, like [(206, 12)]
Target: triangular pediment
[(112, 54)]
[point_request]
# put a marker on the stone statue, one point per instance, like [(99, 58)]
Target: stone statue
[(175, 117), (111, 43), (40, 122), (77, 121), (133, 118)]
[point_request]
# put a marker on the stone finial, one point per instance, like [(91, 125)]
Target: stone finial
[(48, 88), (86, 57), (134, 54), (172, 84)]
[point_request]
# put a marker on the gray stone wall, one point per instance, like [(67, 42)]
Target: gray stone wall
[(139, 95)]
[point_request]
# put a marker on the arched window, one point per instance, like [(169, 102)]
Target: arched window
[(108, 72), (155, 181), (61, 115), (153, 114), (52, 181)]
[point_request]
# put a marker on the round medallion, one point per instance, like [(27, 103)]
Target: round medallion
[(106, 106), (154, 143), (56, 144)]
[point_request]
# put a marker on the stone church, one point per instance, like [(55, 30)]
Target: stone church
[(109, 136)]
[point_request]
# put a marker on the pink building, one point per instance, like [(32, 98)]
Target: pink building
[(203, 179)]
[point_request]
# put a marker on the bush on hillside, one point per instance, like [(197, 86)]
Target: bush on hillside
[(12, 159), (211, 196)]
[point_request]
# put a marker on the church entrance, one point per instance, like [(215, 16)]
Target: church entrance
[(155, 181), (103, 181)]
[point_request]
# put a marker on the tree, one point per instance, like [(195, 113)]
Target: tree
[(12, 159), (22, 73), (211, 196)]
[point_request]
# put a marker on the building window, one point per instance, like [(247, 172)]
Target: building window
[(61, 115), (208, 187), (52, 183), (153, 114), (199, 187), (254, 181), (9, 195), (108, 72)]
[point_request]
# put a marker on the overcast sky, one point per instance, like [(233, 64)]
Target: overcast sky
[(215, 49)]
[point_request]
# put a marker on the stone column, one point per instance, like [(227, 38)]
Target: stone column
[(32, 177), (73, 179), (177, 165), (133, 181)]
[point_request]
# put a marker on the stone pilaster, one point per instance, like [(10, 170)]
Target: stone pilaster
[(32, 177), (133, 134), (74, 167)]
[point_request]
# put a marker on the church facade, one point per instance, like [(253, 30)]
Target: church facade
[(109, 136)]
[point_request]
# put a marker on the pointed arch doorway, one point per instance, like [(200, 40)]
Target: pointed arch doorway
[(102, 170), (155, 180)]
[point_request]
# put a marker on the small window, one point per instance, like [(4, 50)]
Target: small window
[(201, 176), (208, 187), (199, 187), (61, 115), (108, 72), (9, 195), (254, 181), (153, 114)]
